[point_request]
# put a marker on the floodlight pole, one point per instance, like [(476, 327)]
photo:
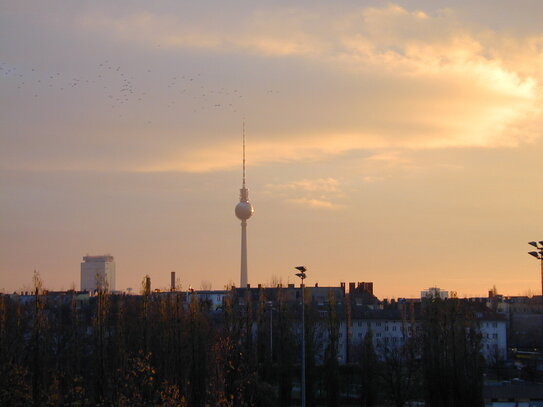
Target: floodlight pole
[(541, 261), (270, 308), (302, 276), (303, 343), (539, 255)]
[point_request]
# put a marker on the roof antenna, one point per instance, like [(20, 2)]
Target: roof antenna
[(244, 153)]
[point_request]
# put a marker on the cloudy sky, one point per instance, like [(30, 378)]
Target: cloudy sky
[(394, 142)]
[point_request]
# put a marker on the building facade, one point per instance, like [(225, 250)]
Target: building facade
[(98, 273)]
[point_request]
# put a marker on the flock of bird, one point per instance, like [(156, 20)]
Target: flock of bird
[(121, 89)]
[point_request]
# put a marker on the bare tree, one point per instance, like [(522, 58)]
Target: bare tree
[(205, 285), (331, 354), (451, 351), (369, 371), (37, 338)]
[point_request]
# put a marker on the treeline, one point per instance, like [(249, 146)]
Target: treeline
[(158, 350)]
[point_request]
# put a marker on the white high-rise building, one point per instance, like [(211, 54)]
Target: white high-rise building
[(98, 272), (434, 292)]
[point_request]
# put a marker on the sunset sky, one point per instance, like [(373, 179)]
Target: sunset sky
[(394, 142)]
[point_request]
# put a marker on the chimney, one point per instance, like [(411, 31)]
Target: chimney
[(351, 287), (172, 281), (248, 285), (316, 284), (368, 287)]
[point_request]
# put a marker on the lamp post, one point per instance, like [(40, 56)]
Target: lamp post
[(302, 276), (538, 255), (271, 309)]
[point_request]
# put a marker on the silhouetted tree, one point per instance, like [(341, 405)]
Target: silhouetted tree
[(331, 356), (285, 349), (199, 336), (369, 371), (311, 349), (138, 385), (38, 368), (400, 368), (399, 371), (452, 360), (100, 339)]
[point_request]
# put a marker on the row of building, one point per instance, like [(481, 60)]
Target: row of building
[(506, 324), (360, 312)]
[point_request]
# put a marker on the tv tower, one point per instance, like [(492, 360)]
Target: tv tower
[(244, 211)]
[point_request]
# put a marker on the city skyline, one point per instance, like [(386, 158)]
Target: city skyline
[(397, 143)]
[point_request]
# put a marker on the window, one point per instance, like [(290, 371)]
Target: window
[(495, 336), (394, 328), (494, 324)]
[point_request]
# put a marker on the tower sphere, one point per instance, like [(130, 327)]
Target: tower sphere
[(244, 210)]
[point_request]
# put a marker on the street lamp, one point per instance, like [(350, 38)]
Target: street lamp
[(539, 256), (302, 276), (271, 309)]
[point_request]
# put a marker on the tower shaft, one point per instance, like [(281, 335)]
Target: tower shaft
[(243, 270)]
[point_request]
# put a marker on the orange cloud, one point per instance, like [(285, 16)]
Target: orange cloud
[(415, 81), (316, 203), (320, 193), (321, 184)]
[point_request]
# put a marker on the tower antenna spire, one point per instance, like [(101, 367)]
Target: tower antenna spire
[(243, 153)]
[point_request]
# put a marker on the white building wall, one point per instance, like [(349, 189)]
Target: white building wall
[(387, 333), (394, 333), (434, 292), (110, 275), (494, 340), (216, 298), (342, 343), (97, 271)]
